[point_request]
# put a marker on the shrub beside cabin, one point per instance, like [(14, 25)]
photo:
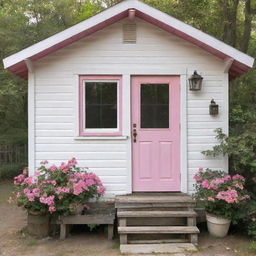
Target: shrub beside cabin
[(113, 91)]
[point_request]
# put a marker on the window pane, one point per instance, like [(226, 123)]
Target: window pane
[(154, 106), (101, 105)]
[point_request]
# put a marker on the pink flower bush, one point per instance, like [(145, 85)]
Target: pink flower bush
[(221, 194), (56, 189)]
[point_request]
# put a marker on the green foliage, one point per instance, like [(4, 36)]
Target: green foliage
[(251, 219), (241, 150), (92, 226), (9, 171), (253, 246), (23, 23)]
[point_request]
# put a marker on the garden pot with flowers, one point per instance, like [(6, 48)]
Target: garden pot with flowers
[(222, 196), (56, 190)]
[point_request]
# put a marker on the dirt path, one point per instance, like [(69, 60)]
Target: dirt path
[(13, 242)]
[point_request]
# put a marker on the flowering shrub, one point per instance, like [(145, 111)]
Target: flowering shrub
[(55, 189), (221, 194)]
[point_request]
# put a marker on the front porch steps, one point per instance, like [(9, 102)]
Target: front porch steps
[(156, 223)]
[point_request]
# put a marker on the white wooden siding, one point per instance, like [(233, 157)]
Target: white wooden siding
[(156, 52)]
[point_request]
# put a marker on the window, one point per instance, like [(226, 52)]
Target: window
[(100, 105), (154, 111)]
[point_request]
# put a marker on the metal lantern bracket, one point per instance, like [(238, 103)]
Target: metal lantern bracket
[(195, 82), (213, 108)]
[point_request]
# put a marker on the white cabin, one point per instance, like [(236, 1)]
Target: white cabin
[(113, 91)]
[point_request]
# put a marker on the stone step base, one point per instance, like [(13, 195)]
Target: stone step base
[(174, 248)]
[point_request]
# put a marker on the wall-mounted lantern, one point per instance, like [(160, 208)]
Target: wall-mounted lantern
[(195, 82), (213, 108)]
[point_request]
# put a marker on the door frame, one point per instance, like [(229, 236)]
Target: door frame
[(184, 186)]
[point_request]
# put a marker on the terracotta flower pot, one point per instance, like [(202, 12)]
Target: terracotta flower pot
[(217, 226)]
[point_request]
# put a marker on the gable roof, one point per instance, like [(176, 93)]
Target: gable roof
[(241, 62)]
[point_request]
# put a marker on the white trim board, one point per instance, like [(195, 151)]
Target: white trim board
[(31, 119)]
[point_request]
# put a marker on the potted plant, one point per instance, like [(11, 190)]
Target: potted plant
[(222, 195), (56, 190)]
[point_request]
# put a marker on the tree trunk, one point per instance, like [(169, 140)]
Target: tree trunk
[(230, 26), (247, 26)]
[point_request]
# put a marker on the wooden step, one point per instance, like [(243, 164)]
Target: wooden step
[(154, 214), (159, 230), (154, 199), (161, 241), (157, 248), (154, 205)]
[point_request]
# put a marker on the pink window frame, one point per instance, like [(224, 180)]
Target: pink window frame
[(82, 130)]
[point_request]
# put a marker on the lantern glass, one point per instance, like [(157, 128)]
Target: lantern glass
[(195, 82), (213, 108)]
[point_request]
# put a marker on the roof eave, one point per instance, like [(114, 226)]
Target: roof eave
[(242, 62)]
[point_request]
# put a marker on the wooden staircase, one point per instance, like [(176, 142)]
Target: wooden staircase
[(162, 222)]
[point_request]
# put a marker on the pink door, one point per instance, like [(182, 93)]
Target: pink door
[(155, 133)]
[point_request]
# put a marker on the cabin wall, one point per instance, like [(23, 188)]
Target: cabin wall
[(54, 95)]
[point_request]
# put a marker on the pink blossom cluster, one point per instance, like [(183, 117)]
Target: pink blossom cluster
[(82, 182), (216, 185), (53, 182), (18, 180), (62, 190), (65, 168), (238, 177), (230, 196), (49, 187), (49, 201), (31, 194)]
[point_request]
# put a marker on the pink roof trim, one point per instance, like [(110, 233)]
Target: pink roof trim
[(144, 12)]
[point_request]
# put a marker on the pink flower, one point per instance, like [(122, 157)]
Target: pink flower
[(25, 171), (218, 181), (79, 187), (31, 197), (37, 174), (240, 186), (53, 168), (197, 178), (60, 197), (47, 200), (28, 180), (60, 190), (205, 184), (44, 162), (36, 191), (238, 177), (65, 167), (52, 209), (230, 196), (227, 178), (26, 190), (72, 162), (200, 169), (245, 197), (19, 179), (211, 199), (101, 190)]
